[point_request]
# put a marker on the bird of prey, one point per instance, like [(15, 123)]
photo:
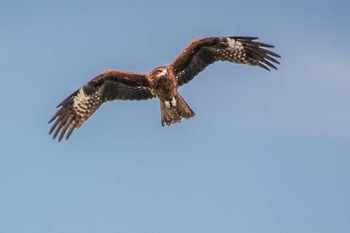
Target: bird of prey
[(162, 82)]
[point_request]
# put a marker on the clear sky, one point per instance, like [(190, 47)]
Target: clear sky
[(266, 152)]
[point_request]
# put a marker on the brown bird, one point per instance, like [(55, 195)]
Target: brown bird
[(162, 82)]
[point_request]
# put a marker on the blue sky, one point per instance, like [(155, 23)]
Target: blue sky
[(266, 152)]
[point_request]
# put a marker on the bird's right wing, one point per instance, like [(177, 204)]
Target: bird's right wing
[(110, 85)]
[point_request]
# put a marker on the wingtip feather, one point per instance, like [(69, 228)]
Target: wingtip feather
[(264, 67)]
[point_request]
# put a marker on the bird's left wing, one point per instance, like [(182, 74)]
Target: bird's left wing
[(203, 52), (110, 85)]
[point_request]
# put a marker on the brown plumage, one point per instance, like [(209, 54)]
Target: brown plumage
[(162, 82)]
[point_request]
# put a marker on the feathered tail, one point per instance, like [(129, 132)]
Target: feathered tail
[(173, 111)]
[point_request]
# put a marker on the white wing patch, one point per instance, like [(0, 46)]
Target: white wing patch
[(234, 44), (81, 96), (235, 51), (85, 105), (82, 102)]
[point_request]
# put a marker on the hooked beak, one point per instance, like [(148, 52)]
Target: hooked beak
[(164, 73)]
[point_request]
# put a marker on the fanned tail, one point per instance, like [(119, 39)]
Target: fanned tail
[(173, 111)]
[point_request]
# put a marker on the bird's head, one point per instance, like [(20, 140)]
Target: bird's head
[(160, 72)]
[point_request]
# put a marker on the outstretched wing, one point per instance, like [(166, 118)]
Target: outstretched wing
[(110, 85), (203, 52)]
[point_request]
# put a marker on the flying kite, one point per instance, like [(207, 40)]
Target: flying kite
[(162, 82)]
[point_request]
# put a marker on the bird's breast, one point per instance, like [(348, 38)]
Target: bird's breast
[(165, 87)]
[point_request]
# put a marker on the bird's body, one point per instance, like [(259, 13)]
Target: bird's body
[(162, 82), (164, 85)]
